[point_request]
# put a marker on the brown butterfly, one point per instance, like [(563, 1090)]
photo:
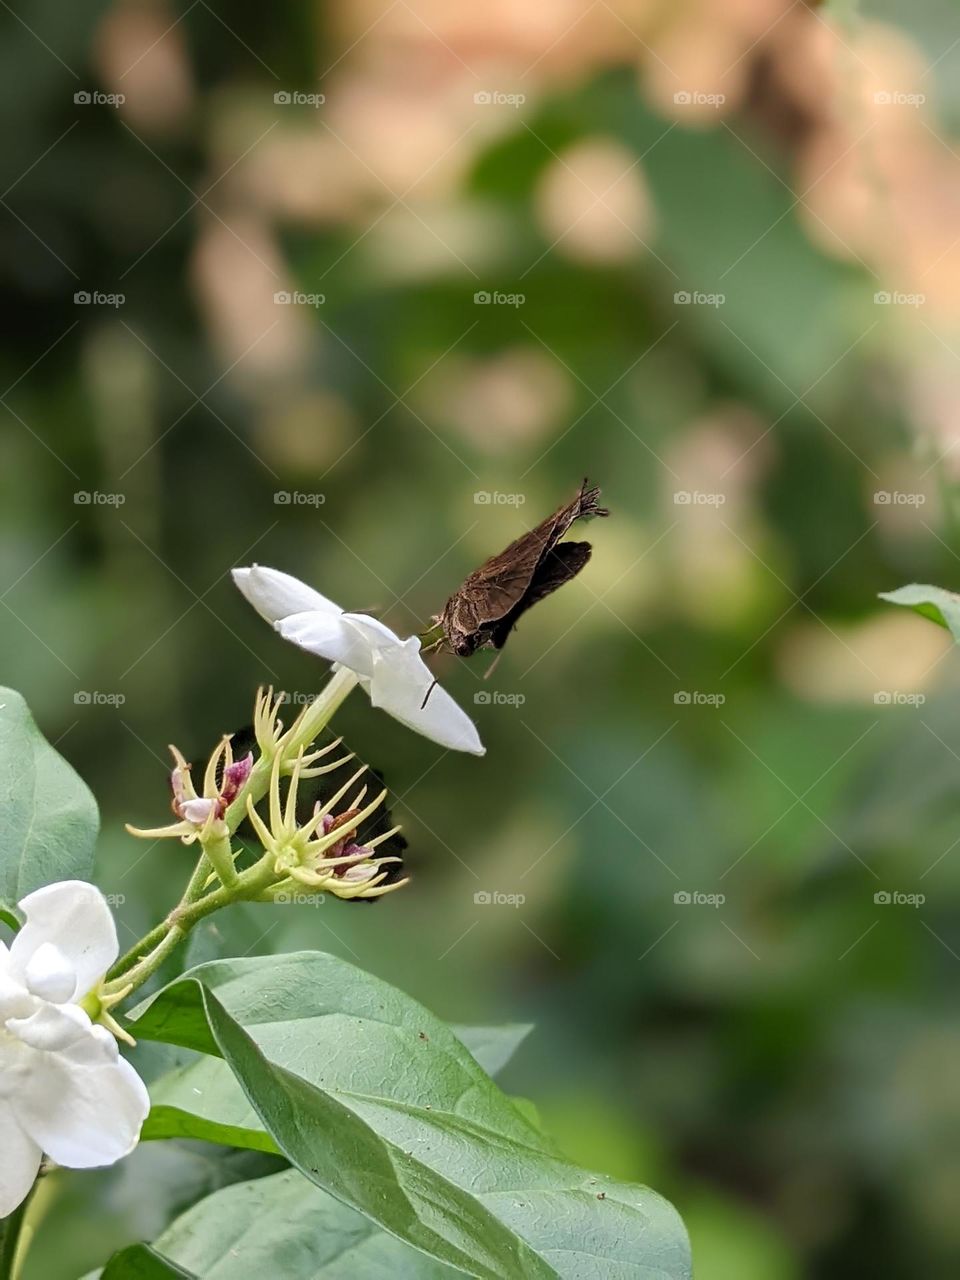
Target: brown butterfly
[(485, 609)]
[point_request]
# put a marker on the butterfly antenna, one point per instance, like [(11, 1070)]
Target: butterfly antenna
[(493, 666)]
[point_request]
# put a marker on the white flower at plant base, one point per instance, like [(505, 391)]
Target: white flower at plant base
[(64, 1089), (391, 670)]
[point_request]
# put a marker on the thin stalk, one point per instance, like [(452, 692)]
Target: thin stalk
[(10, 1229), (249, 885), (149, 941)]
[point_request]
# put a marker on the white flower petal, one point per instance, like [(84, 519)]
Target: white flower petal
[(81, 1108), (400, 683), (198, 811), (389, 669), (52, 1027), (75, 917), (49, 974), (20, 1163), (104, 1040), (15, 999), (329, 637), (376, 633), (276, 595)]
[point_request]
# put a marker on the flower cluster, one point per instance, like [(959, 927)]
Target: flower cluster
[(322, 853)]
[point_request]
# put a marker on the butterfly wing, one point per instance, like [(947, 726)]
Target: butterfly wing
[(558, 566), (502, 582)]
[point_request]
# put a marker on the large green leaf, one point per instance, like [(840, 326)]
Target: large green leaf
[(48, 818), (207, 1092), (284, 1225), (940, 606), (379, 1103), (141, 1262)]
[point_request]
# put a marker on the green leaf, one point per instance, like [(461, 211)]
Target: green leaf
[(378, 1102), (940, 606), (205, 1093), (141, 1262), (145, 1193), (285, 1226), (49, 818), (204, 1100)]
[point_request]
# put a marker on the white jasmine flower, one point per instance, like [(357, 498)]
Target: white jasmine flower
[(389, 669), (64, 1089)]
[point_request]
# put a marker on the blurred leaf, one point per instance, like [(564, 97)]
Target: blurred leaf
[(145, 1192), (50, 819), (940, 606), (286, 1226), (732, 1243), (377, 1101)]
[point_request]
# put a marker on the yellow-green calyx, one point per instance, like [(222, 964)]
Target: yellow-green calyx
[(97, 1004)]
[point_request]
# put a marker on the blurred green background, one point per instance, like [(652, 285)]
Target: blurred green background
[(720, 249)]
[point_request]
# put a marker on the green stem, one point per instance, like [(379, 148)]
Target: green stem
[(149, 941), (138, 950), (10, 1229), (249, 885)]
